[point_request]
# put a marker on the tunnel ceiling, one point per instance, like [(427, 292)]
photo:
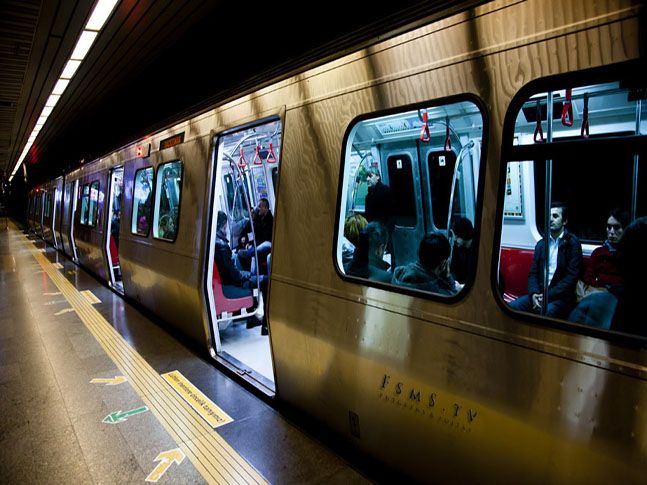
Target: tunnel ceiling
[(157, 60)]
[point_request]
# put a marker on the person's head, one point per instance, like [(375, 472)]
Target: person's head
[(372, 177), (558, 217), (433, 252), (616, 223), (221, 222), (263, 207), (353, 225), (378, 238), (463, 232)]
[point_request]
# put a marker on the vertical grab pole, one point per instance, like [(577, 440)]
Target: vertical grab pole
[(547, 202), (634, 190)]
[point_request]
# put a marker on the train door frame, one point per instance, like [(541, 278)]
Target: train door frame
[(73, 207), (55, 203), (111, 270), (259, 381)]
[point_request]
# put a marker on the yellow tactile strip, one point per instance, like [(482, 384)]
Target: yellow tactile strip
[(211, 455)]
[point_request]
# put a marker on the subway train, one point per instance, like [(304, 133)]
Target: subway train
[(461, 141)]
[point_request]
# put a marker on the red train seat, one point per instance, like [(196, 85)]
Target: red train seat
[(114, 254), (224, 304), (514, 268)]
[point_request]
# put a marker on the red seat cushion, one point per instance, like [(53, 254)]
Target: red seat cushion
[(224, 304)]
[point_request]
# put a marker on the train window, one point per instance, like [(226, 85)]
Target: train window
[(407, 177), (578, 176), (142, 194), (168, 186), (85, 205), (94, 203), (48, 202)]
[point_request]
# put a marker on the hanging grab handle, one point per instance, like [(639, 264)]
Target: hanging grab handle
[(538, 129), (567, 109), (425, 136), (271, 157), (585, 117), (448, 141), (242, 162), (257, 157)]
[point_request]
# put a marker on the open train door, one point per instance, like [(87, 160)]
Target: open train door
[(113, 224), (246, 162)]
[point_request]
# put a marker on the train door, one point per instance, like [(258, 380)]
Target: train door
[(113, 224), (73, 206), (55, 204), (239, 262)]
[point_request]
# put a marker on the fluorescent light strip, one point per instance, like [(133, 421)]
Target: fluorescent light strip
[(70, 69), (100, 14), (98, 18), (83, 45)]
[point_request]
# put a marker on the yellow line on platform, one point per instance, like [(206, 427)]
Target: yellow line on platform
[(211, 455)]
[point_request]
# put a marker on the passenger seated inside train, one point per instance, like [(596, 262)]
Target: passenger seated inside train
[(564, 269), (353, 226), (431, 271), (262, 221), (462, 254), (602, 280), (236, 283), (632, 256), (368, 257)]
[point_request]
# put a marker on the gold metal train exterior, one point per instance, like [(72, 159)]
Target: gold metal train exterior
[(437, 391)]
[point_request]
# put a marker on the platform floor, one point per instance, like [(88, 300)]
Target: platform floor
[(60, 351)]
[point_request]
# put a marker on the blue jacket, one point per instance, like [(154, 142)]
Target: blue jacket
[(569, 268)]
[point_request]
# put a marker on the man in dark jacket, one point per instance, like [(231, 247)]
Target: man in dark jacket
[(564, 268), (235, 283), (379, 207), (262, 221)]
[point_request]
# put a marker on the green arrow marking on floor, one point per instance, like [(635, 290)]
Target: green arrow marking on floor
[(119, 417)]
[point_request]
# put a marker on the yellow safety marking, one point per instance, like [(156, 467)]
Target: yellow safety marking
[(167, 459), (109, 382), (88, 295), (209, 453), (57, 265), (67, 310), (205, 407)]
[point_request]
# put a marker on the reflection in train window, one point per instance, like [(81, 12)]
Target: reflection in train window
[(168, 186), (408, 200), (94, 203), (47, 205), (574, 174), (142, 193), (85, 204)]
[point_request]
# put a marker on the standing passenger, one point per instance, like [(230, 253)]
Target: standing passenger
[(462, 253), (379, 206)]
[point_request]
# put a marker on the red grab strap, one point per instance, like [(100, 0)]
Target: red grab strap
[(271, 157), (242, 162), (567, 109), (448, 142), (257, 157), (424, 132)]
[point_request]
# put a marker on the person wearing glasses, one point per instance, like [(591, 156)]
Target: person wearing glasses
[(603, 270), (602, 281)]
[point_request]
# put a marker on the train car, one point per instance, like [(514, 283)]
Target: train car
[(412, 185)]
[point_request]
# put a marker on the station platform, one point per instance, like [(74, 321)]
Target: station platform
[(93, 391)]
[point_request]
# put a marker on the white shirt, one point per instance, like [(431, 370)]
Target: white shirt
[(553, 248)]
